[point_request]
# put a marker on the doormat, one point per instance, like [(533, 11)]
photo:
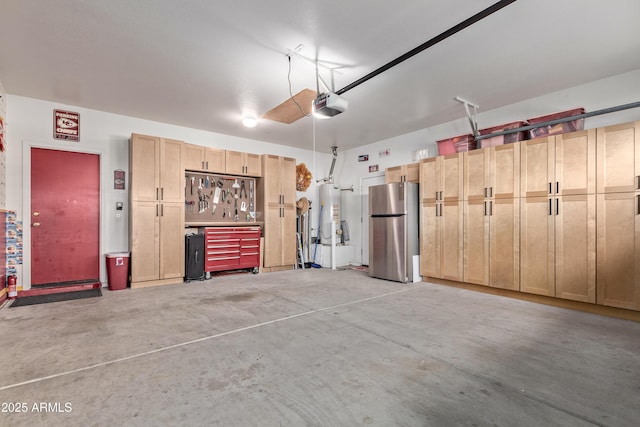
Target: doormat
[(360, 268), (63, 296)]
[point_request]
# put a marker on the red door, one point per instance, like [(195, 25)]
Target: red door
[(65, 217)]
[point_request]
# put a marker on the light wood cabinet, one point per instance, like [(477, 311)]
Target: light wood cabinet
[(558, 241), (246, 164), (442, 214), (441, 240), (277, 198), (618, 213), (491, 187), (492, 243), (558, 217), (618, 259), (619, 158), (157, 211), (206, 159), (403, 173)]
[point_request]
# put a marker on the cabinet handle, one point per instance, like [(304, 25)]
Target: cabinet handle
[(557, 206), (157, 193), (557, 187), (441, 196), (550, 188), (485, 208), (491, 208), (638, 182), (161, 193), (550, 213), (638, 199), (161, 210), (157, 210), (490, 191)]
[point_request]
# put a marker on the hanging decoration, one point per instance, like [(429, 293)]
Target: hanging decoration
[(303, 177)]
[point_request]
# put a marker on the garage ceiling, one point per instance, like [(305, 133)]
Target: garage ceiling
[(206, 64)]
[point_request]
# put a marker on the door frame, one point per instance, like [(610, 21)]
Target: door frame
[(26, 202)]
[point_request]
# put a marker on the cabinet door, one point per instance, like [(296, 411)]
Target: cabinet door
[(451, 176), (192, 157), (273, 244), (504, 171), (393, 174), (215, 160), (143, 167), (430, 239), (287, 171), (537, 260), (171, 172), (575, 158), (288, 236), (412, 172), (618, 258), (476, 242), (145, 243), (504, 244), (537, 167), (476, 170), (253, 165), (271, 179), (618, 158), (234, 162), (429, 179), (171, 240), (452, 240), (575, 243)]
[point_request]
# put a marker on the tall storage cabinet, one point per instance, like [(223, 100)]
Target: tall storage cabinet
[(558, 225), (156, 230), (618, 204), (441, 217), (277, 199), (491, 216)]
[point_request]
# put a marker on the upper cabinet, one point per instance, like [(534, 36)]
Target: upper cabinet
[(619, 158), (156, 172), (197, 157), (403, 173), (441, 178), (559, 165), (247, 164)]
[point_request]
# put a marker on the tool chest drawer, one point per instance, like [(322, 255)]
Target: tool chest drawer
[(232, 248)]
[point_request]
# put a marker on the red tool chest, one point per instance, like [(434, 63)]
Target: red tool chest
[(232, 248)]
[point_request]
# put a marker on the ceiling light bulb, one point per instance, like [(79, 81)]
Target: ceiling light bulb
[(249, 122)]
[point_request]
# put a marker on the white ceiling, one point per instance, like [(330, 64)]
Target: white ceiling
[(205, 64)]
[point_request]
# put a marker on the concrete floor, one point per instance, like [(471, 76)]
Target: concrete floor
[(316, 348)]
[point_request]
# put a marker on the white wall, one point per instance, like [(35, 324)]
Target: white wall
[(30, 123), (605, 93)]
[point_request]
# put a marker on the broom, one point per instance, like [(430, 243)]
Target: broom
[(315, 250)]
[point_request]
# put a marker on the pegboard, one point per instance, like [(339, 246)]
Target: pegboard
[(3, 154)]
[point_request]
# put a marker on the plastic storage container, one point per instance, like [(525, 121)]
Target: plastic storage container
[(565, 127), (509, 138), (456, 144), (117, 270)]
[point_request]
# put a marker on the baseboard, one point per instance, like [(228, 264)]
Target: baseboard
[(149, 283), (602, 310)]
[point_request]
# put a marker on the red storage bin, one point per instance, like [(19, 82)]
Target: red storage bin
[(565, 127), (509, 138), (456, 144), (117, 270)]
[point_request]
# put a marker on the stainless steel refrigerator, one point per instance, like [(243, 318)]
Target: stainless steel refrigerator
[(393, 231)]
